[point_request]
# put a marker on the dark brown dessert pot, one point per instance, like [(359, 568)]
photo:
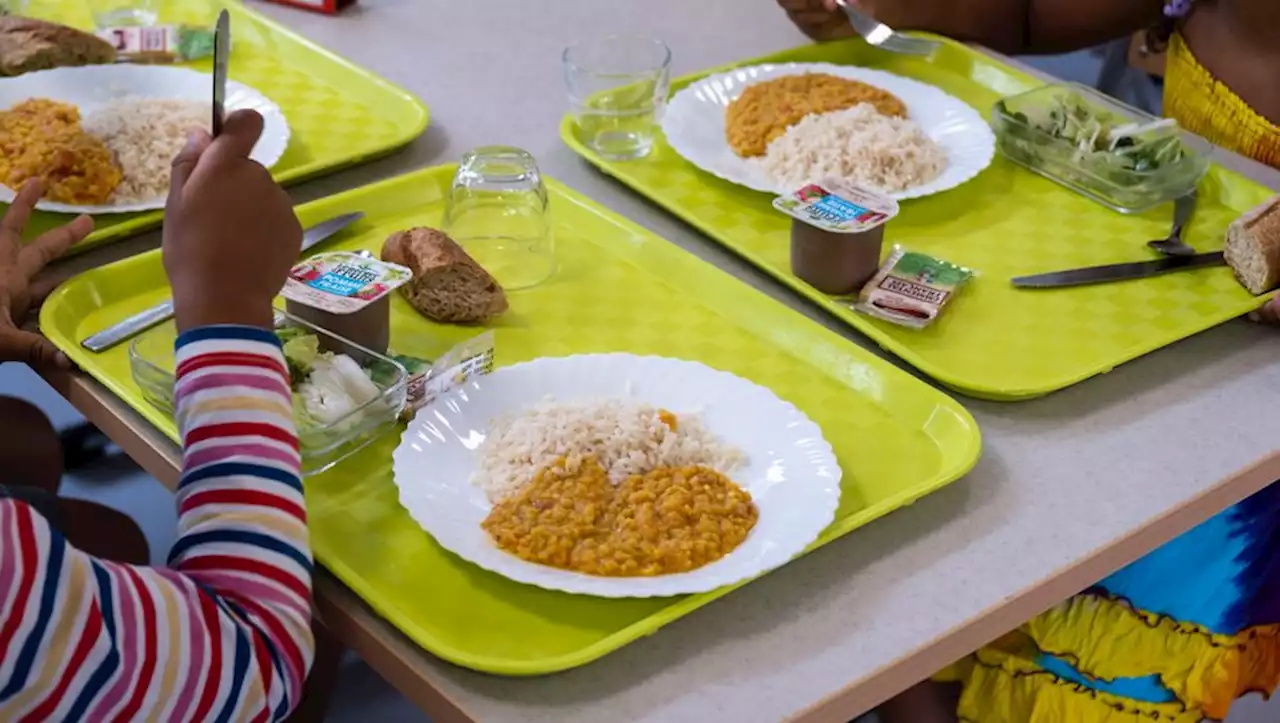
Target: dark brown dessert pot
[(835, 263), (370, 327)]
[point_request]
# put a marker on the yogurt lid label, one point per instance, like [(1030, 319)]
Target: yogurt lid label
[(342, 282), (836, 206)]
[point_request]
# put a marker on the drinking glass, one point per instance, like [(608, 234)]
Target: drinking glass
[(497, 210), (618, 90)]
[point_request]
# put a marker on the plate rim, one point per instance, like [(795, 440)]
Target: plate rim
[(922, 191), (273, 108), (822, 446)]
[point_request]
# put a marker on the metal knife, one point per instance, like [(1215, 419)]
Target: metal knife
[(1118, 272), (221, 57), (160, 313)]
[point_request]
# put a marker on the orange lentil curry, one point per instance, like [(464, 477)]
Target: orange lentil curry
[(766, 110), (669, 520), (43, 139)]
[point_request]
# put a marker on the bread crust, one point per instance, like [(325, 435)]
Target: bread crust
[(447, 285), (1258, 228), (27, 45)]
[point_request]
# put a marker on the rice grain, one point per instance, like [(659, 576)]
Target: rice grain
[(859, 145), (144, 135), (626, 437)]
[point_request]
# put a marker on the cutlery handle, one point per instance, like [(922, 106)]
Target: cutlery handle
[(1183, 208), (130, 327), (140, 322)]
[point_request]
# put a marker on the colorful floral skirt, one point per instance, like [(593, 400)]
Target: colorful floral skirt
[(1176, 637)]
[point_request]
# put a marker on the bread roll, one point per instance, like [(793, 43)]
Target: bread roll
[(1253, 247), (448, 285), (27, 44)]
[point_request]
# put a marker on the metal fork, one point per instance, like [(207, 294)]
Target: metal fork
[(884, 37), (1183, 208)]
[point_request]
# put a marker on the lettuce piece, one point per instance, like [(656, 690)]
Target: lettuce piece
[(336, 387), (384, 374), (300, 352), (301, 417)]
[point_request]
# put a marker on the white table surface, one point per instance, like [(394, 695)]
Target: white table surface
[(1069, 487)]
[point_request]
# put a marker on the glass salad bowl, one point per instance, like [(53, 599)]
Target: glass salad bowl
[(1119, 156), (344, 396)]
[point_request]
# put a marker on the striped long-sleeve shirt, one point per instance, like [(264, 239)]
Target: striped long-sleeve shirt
[(221, 634)]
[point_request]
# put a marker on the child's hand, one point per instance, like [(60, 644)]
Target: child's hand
[(19, 264), (230, 236)]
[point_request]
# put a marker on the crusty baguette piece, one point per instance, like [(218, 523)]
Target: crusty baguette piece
[(27, 44), (448, 285), (1253, 247)]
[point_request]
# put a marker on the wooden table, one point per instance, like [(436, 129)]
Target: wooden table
[(1070, 488)]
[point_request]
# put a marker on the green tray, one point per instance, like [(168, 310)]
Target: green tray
[(618, 288), (994, 341), (340, 114)]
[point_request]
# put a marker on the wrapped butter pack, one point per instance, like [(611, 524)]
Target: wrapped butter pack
[(912, 289), (159, 44)]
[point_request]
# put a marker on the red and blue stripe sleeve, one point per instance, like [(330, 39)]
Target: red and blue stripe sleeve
[(221, 634)]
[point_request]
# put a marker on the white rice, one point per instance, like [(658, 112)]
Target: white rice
[(859, 145), (626, 437), (144, 135)]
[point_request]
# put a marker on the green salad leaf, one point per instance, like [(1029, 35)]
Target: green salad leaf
[(1105, 144), (300, 352)]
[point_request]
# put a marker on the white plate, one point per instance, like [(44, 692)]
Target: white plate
[(694, 124), (94, 86), (791, 474)]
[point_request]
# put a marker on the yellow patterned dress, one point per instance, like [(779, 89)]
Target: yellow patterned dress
[(1179, 635), (1208, 108)]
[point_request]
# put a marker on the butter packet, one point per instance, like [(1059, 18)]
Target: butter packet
[(912, 289), (428, 380), (159, 44), (837, 206)]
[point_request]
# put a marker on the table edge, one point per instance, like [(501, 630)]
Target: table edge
[(986, 626), (396, 659)]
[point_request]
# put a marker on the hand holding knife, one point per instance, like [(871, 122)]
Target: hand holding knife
[(148, 318), (221, 56)]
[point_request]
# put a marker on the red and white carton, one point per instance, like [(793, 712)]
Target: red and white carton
[(328, 7)]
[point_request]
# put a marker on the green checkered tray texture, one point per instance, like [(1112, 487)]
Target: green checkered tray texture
[(339, 114), (617, 288), (994, 341)]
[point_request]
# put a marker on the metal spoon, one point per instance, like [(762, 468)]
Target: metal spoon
[(1183, 208)]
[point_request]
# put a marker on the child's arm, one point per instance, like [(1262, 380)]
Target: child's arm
[(222, 636)]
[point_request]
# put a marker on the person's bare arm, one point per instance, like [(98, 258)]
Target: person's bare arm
[(1046, 26), (1010, 26)]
